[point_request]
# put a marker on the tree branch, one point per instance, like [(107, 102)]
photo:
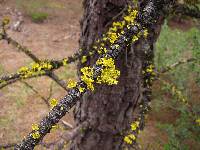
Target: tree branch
[(56, 64), (66, 136), (46, 101), (168, 68), (25, 50), (14, 79), (9, 79), (178, 94)]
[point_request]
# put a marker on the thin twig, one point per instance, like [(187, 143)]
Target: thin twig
[(168, 68), (36, 92), (11, 81), (176, 92), (50, 92), (46, 101)]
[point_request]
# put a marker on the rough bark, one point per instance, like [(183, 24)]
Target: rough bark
[(110, 109)]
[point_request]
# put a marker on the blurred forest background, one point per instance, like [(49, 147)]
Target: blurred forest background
[(50, 28)]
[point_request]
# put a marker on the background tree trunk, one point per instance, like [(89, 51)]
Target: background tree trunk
[(109, 109)]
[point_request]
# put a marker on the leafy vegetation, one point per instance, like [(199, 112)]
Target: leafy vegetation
[(181, 130)]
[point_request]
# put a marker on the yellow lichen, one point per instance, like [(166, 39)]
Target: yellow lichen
[(87, 77), (109, 74), (129, 139), (71, 84), (53, 102), (84, 59), (35, 69), (36, 135), (134, 125), (55, 127), (198, 121), (81, 90), (6, 20), (35, 127), (64, 62), (145, 33)]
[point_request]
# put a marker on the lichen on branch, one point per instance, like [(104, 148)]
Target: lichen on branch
[(145, 18)]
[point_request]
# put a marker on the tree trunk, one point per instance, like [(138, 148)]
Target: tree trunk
[(109, 109)]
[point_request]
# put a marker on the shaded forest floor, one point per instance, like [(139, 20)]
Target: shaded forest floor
[(54, 38)]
